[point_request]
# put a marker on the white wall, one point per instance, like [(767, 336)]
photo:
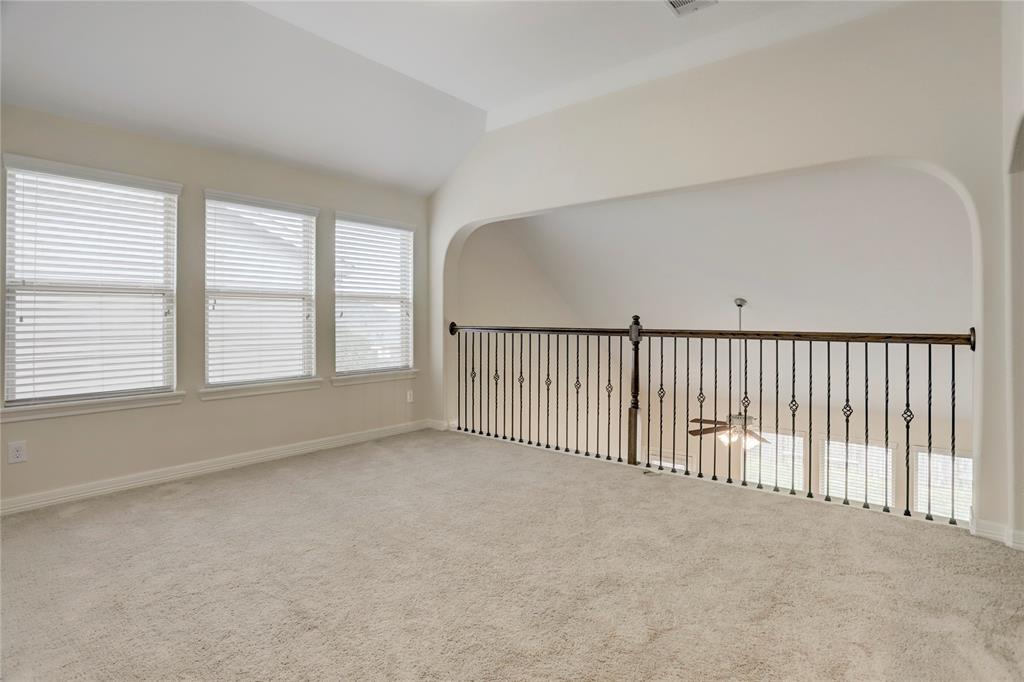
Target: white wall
[(76, 450), (920, 82)]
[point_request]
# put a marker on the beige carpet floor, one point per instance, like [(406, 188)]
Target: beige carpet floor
[(446, 556)]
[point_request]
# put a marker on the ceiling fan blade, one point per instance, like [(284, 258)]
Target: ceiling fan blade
[(756, 436), (708, 421), (708, 429)]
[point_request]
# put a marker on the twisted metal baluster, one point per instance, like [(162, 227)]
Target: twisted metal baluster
[(793, 406), (866, 441), (485, 381), (661, 403), (547, 389), (675, 390), (952, 437), (567, 400), (529, 389), (504, 385), (928, 516), (728, 473), (686, 425), (472, 375), (458, 383), (828, 421), (608, 389), (558, 341), (847, 411), (497, 380), (908, 416), (586, 418), (539, 382), (714, 440), (700, 415), (810, 418)]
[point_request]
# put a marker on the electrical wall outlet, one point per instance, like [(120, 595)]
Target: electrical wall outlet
[(408, 396), (17, 452)]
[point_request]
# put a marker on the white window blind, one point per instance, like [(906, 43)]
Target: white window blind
[(90, 275), (942, 494), (878, 474), (373, 298), (782, 450), (260, 317)]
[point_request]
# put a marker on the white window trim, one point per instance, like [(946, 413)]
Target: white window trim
[(259, 202), (359, 378), (69, 408), (259, 388), (29, 163)]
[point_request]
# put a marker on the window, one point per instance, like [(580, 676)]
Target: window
[(787, 452), (90, 280), (944, 489), (373, 298), (878, 472), (260, 317)]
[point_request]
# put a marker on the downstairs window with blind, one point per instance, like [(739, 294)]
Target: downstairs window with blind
[(373, 298), (90, 283), (260, 317), (777, 463), (857, 473), (936, 488)]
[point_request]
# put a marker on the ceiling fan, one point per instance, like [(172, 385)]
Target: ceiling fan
[(736, 427)]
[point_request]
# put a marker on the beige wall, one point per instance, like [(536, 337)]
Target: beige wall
[(75, 450), (920, 82)]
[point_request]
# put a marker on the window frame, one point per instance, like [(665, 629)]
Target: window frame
[(81, 403), (364, 375), (215, 390)]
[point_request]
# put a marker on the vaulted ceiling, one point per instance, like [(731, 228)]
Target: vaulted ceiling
[(392, 91)]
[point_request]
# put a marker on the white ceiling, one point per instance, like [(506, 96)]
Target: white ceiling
[(397, 92), (519, 59), (229, 75)]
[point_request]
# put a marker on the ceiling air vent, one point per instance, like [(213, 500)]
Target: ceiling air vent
[(684, 7)]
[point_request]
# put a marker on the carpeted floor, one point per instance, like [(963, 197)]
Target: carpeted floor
[(446, 556)]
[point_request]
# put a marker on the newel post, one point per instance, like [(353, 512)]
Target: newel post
[(634, 384)]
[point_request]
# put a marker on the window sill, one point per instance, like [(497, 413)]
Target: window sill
[(247, 390), (71, 408), (374, 377)]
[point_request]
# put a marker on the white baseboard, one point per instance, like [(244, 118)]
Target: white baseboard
[(85, 490), (999, 533)]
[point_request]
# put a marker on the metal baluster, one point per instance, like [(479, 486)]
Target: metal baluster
[(497, 379), (458, 383), (675, 390), (714, 439), (539, 382), (648, 448), (567, 353), (793, 406), (700, 415), (661, 403), (760, 409), (928, 516), (728, 419), (686, 436), (597, 409), (908, 416), (810, 418), (586, 418), (885, 507), (847, 411), (608, 390), (547, 388), (485, 380), (558, 342), (521, 381), (529, 389), (952, 436), (472, 375), (504, 385), (578, 385), (866, 439), (746, 405), (828, 421), (775, 488), (620, 398)]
